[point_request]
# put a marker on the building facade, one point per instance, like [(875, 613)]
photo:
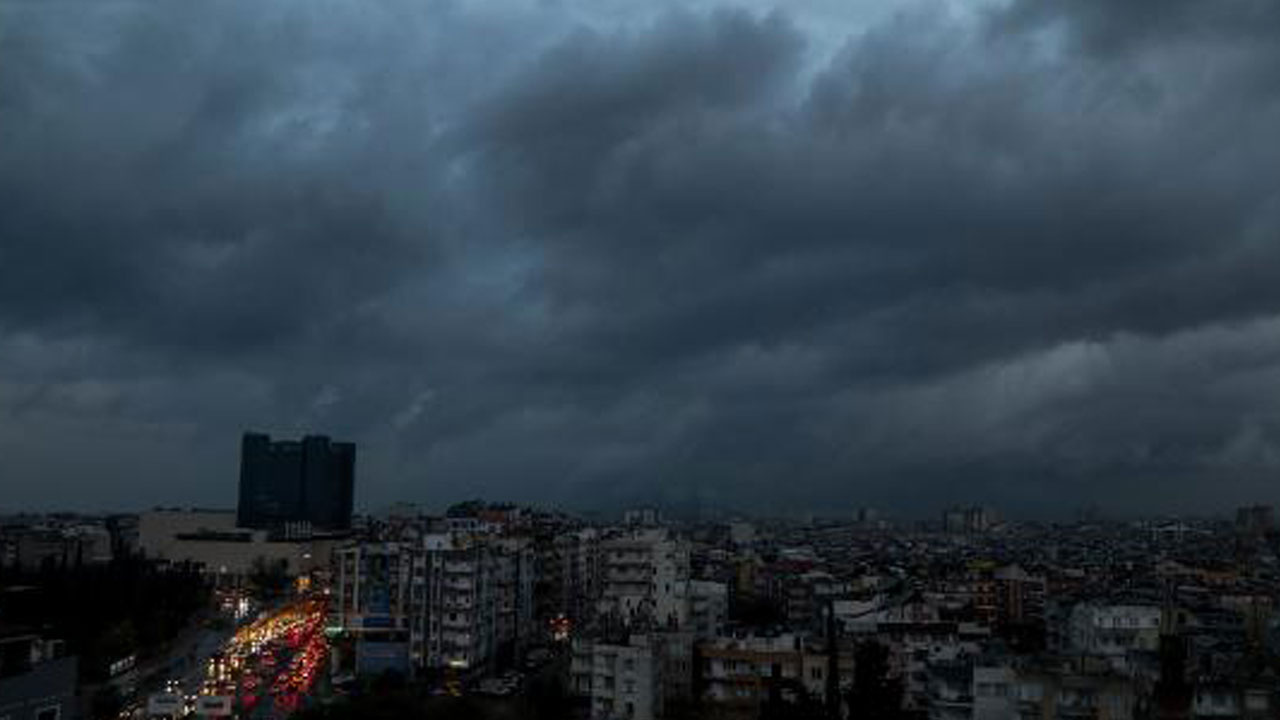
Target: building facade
[(295, 481), (443, 600)]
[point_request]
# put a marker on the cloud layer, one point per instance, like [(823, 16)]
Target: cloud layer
[(807, 256)]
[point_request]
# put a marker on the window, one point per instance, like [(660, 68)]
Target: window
[(52, 712)]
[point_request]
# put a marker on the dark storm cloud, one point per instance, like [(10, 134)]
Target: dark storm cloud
[(1018, 253), (184, 203), (1119, 27)]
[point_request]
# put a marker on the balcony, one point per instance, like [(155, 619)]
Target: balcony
[(462, 622), (456, 639)]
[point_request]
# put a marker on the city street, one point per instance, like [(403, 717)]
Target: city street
[(271, 666), (267, 669)]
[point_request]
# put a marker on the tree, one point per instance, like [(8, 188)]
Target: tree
[(875, 695), (118, 641), (757, 611), (106, 702)]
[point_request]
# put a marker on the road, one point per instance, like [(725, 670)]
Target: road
[(272, 665), (268, 668)]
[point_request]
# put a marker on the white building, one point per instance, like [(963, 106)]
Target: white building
[(645, 578), (622, 680), (1114, 631), (995, 693), (708, 608), (210, 538)]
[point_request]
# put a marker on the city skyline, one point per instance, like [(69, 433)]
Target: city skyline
[(640, 359)]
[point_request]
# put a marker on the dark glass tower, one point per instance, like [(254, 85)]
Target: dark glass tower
[(288, 481)]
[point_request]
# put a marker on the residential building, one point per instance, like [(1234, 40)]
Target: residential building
[(1115, 632), (739, 674), (623, 679), (645, 574), (375, 604), (440, 600)]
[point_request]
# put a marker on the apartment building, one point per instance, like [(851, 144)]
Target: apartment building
[(440, 600), (622, 678), (738, 674), (644, 578), (374, 604)]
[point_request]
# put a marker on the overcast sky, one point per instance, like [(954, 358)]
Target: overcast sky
[(773, 256)]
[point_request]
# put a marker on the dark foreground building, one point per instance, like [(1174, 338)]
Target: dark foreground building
[(295, 481), (36, 681)]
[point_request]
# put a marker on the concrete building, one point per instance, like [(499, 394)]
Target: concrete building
[(708, 608), (514, 575), (374, 604), (738, 674), (1074, 688), (995, 693), (459, 610), (572, 574), (642, 517), (286, 482), (950, 690), (1255, 520), (36, 681), (211, 539), (1115, 632), (623, 679), (440, 600), (423, 604), (645, 575), (971, 519), (1010, 596), (742, 533)]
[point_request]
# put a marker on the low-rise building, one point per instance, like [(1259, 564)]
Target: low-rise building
[(623, 679), (211, 540), (37, 682), (739, 674)]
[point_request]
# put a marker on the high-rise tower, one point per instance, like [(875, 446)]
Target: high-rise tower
[(296, 481)]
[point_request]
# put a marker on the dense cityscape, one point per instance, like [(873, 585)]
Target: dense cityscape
[(293, 606), (640, 359)]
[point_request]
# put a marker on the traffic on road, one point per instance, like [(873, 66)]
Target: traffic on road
[(266, 670)]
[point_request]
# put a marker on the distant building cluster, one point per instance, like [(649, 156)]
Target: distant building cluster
[(62, 540), (967, 617), (972, 617)]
